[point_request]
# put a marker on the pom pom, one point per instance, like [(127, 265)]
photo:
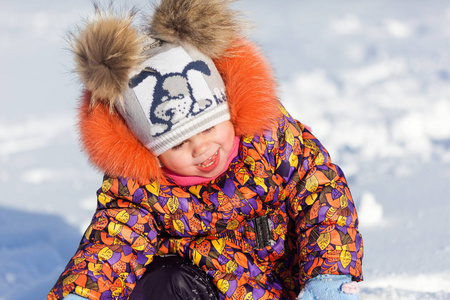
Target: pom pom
[(106, 50), (210, 25)]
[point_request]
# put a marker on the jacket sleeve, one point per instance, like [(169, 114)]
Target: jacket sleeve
[(320, 203), (113, 253)]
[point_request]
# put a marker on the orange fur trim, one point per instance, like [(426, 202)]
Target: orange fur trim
[(251, 92), (251, 89), (111, 146)]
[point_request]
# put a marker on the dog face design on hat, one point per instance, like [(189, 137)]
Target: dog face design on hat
[(176, 93), (173, 96)]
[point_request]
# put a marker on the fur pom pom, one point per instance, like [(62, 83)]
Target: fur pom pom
[(210, 25), (106, 50)]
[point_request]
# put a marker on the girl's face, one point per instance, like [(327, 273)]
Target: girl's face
[(204, 154)]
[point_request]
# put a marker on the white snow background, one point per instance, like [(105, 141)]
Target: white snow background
[(372, 79)]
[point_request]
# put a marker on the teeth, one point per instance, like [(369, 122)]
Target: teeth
[(209, 161)]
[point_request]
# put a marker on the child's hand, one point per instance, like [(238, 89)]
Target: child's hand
[(330, 287)]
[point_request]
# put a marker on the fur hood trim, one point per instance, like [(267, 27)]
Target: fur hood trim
[(251, 91)]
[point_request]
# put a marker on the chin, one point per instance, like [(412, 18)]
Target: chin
[(216, 172)]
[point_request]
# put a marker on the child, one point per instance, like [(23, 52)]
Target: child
[(202, 161)]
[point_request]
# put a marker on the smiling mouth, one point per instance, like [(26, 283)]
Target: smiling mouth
[(209, 161)]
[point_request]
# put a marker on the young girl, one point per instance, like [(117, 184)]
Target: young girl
[(211, 188)]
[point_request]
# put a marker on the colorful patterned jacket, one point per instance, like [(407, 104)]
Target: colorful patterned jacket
[(281, 214)]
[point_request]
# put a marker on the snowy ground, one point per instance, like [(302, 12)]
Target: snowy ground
[(370, 77)]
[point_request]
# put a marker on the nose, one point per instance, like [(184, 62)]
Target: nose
[(200, 144)]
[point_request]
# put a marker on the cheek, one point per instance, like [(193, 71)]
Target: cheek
[(229, 135), (174, 160), (225, 129)]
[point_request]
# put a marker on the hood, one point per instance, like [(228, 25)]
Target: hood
[(251, 92)]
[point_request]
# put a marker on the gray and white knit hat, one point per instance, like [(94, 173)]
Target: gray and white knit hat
[(162, 79), (176, 93)]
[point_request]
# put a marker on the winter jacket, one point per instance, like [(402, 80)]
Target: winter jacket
[(280, 214)]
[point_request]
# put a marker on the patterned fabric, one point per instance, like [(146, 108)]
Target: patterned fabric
[(285, 175)]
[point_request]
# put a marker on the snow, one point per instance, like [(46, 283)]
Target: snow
[(370, 212), (371, 78)]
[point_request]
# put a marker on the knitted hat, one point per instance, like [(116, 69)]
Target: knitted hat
[(160, 81), (174, 95)]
